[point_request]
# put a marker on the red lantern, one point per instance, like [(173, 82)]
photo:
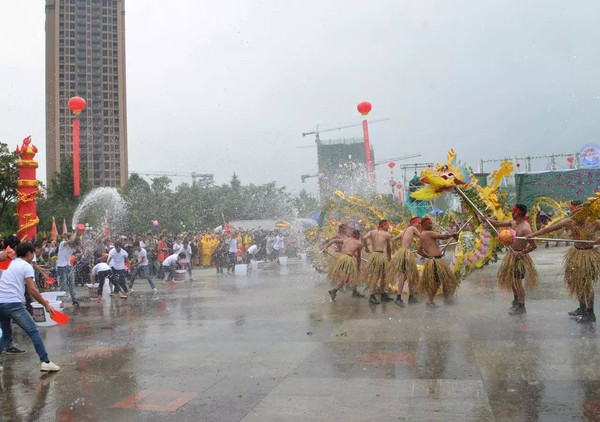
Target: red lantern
[(76, 105), (518, 165), (570, 159), (391, 165), (364, 108), (399, 186)]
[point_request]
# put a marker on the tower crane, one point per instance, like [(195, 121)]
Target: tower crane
[(317, 132), (403, 157)]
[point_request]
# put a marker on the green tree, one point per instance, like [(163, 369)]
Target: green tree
[(306, 204), (9, 175), (61, 183), (267, 201), (138, 196), (59, 201), (194, 207)]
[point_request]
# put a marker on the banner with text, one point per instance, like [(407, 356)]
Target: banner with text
[(560, 185)]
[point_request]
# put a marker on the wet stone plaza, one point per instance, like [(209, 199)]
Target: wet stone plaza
[(272, 346)]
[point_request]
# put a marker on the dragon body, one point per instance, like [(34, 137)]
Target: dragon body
[(476, 244)]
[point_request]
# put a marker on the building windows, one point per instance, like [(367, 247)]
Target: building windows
[(88, 66)]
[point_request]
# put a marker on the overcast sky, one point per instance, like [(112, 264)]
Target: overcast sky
[(229, 86)]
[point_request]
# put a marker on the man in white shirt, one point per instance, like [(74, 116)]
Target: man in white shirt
[(99, 274), (66, 278), (278, 245), (186, 249), (177, 244), (233, 247), (117, 257), (141, 267), (12, 296), (170, 264), (10, 348), (252, 250), (251, 253), (11, 242)]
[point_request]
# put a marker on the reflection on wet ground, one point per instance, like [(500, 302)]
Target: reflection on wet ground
[(272, 347)]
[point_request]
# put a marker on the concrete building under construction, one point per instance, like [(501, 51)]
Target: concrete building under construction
[(342, 166)]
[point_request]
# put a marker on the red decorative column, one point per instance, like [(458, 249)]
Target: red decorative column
[(364, 108), (76, 105), (27, 190)]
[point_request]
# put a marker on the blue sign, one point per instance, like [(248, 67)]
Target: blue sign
[(589, 155)]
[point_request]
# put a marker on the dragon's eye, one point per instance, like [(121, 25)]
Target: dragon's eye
[(450, 174)]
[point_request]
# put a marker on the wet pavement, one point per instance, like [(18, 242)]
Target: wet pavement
[(272, 347)]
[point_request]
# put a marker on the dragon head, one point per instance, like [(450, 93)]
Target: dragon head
[(442, 178), (589, 210)]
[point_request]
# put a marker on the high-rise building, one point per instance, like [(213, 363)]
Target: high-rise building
[(85, 56)]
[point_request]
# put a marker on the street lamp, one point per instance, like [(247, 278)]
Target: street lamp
[(391, 165)]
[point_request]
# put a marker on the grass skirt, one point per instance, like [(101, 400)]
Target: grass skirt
[(516, 268), (344, 269), (375, 268), (403, 262), (582, 270), (437, 272)]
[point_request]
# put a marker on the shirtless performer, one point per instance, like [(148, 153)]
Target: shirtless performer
[(347, 264), (374, 272), (403, 265), (341, 234), (517, 264), (436, 270), (582, 261)]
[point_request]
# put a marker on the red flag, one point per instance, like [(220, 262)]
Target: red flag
[(64, 228), (226, 228), (11, 254), (53, 230)]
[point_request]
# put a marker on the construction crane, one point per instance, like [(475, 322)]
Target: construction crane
[(317, 132), (204, 178), (403, 157)]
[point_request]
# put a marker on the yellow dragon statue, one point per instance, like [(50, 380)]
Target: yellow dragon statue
[(476, 246)]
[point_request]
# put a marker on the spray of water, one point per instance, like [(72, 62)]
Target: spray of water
[(99, 203)]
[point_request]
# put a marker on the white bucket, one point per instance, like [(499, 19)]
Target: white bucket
[(107, 289), (41, 317), (283, 260), (302, 256), (241, 269), (179, 275), (93, 289), (54, 296), (254, 264)]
